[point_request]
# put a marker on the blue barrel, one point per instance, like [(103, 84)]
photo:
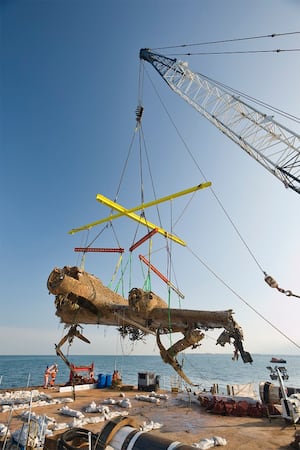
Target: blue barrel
[(108, 380), (101, 381)]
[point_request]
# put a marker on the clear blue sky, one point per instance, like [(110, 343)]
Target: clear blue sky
[(69, 89)]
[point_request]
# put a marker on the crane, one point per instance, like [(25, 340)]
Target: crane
[(271, 144)]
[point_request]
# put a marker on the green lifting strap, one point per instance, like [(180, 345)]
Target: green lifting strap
[(123, 270), (169, 313), (147, 283)]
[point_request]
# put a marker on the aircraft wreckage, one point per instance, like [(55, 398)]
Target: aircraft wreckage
[(81, 298)]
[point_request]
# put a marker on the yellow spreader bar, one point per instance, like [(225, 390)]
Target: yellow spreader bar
[(123, 211), (126, 212)]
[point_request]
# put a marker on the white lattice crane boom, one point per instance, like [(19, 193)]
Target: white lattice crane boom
[(273, 145)]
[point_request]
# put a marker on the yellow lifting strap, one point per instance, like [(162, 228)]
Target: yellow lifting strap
[(116, 270)]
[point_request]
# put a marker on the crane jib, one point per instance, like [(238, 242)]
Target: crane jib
[(270, 143)]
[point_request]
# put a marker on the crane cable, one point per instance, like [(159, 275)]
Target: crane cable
[(203, 175), (266, 277), (237, 52), (253, 99), (142, 150), (282, 113), (139, 113), (223, 41), (242, 299)]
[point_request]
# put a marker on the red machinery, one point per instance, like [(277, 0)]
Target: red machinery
[(81, 374)]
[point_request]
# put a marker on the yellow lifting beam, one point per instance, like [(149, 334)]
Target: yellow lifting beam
[(126, 212), (130, 212)]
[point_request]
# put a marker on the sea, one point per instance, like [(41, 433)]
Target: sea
[(204, 370)]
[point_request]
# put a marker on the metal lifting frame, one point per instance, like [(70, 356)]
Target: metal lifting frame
[(272, 145)]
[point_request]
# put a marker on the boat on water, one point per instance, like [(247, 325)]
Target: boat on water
[(277, 360)]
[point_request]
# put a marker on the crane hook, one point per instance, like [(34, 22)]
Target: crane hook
[(138, 113), (270, 281), (273, 284)]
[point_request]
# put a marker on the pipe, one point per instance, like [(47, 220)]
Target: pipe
[(118, 434), (128, 438)]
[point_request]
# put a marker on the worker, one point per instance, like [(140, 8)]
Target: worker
[(46, 377), (157, 382), (116, 379), (53, 373)]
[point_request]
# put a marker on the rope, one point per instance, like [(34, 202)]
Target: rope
[(139, 115), (253, 99), (242, 299), (233, 225), (238, 52), (205, 178), (273, 35), (286, 292)]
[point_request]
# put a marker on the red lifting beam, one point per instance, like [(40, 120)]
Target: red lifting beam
[(98, 249), (143, 239), (161, 276)]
